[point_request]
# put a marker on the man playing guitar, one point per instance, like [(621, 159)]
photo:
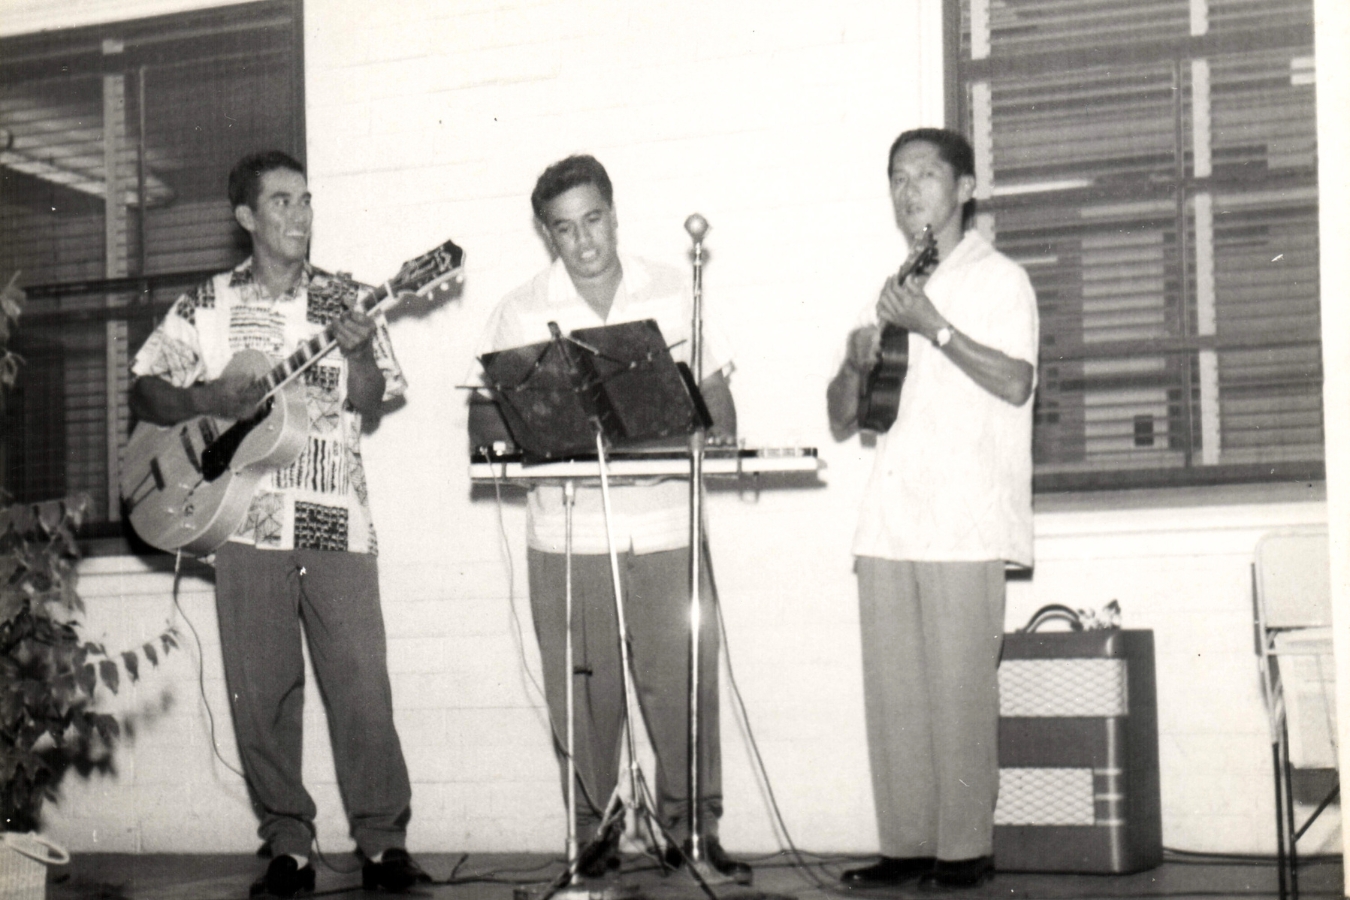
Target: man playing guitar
[(305, 551)]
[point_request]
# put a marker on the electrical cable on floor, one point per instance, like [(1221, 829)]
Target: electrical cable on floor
[(211, 718), (558, 742), (201, 668), (797, 859)]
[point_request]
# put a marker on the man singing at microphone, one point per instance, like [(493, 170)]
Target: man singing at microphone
[(591, 284), (949, 501)]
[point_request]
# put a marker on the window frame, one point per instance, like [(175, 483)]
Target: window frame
[(959, 73), (139, 299)]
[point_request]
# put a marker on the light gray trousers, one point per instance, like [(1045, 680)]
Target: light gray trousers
[(656, 608), (262, 599), (932, 633)]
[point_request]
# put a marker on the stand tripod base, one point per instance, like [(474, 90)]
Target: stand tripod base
[(598, 890)]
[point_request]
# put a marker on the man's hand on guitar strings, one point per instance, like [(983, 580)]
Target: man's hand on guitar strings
[(354, 333), (908, 306)]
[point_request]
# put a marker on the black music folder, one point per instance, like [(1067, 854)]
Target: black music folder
[(619, 380)]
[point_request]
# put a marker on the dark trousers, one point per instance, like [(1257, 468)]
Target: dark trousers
[(932, 633), (656, 606), (263, 597)]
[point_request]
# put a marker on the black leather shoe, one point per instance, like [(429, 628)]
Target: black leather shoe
[(958, 874), (284, 878), (395, 872), (601, 855), (889, 870), (715, 856)]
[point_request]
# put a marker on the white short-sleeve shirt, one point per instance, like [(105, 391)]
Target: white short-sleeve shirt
[(647, 517), (952, 477)]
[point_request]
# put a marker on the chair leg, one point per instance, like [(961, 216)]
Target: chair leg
[(1279, 821), (1287, 775)]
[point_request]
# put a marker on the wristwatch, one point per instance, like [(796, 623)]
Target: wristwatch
[(943, 336)]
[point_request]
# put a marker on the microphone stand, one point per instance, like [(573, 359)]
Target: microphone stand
[(697, 226)]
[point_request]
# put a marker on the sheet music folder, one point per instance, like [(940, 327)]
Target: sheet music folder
[(620, 379)]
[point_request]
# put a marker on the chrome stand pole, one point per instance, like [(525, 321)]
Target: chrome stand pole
[(697, 226)]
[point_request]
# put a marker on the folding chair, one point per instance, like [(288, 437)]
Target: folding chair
[(1291, 592)]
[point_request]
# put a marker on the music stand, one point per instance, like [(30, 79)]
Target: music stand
[(565, 397), (619, 380)]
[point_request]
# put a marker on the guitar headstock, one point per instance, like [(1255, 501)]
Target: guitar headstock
[(923, 255), (436, 268)]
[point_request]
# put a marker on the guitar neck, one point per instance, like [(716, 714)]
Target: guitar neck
[(316, 348)]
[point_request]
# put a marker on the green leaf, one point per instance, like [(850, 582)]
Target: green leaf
[(108, 729), (150, 654), (107, 670), (132, 664), (76, 506), (168, 639), (88, 679), (50, 516), (12, 604)]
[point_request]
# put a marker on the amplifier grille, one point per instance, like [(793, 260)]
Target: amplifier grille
[(1045, 797), (1062, 687)]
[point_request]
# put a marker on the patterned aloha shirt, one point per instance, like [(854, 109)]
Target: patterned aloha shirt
[(319, 501)]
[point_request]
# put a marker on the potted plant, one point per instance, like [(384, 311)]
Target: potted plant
[(49, 675)]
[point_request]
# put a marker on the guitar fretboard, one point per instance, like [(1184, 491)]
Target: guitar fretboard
[(314, 349)]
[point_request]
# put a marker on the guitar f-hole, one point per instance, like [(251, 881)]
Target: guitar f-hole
[(188, 450)]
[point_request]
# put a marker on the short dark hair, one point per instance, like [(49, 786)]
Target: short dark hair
[(246, 176), (566, 174), (952, 148)]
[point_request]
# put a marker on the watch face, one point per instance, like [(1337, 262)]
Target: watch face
[(944, 336)]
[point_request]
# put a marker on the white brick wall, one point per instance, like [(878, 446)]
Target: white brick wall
[(477, 742), (429, 120)]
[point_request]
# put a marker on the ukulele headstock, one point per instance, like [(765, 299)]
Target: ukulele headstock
[(923, 255)]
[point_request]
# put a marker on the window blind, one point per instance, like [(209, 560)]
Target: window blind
[(1152, 164), (117, 141)]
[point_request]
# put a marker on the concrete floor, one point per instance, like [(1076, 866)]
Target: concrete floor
[(526, 876)]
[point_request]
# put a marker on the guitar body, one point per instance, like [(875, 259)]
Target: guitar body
[(879, 401), (173, 503)]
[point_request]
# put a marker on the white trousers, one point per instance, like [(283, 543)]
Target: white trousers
[(932, 633)]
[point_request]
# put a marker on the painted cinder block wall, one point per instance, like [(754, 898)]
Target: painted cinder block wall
[(430, 120)]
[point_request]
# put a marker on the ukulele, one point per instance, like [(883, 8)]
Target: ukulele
[(879, 393), (188, 486)]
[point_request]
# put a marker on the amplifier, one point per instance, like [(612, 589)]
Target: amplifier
[(1078, 753)]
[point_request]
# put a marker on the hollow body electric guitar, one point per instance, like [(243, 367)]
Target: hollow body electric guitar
[(879, 393), (188, 486)]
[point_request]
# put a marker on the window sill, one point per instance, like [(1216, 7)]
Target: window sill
[(1182, 497)]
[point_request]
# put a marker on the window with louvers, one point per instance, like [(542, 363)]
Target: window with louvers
[(1153, 165), (115, 145)]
